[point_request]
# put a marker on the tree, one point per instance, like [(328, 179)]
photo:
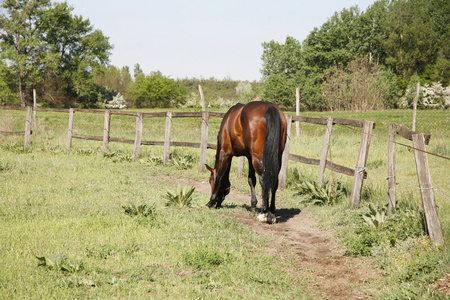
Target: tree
[(21, 44), (49, 48), (411, 42), (113, 78)]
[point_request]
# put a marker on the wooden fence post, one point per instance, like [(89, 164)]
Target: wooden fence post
[(202, 97), (34, 106), (28, 126), (167, 137), (297, 110), (240, 167), (326, 145), (426, 189), (138, 138), (204, 141), (391, 167), (70, 130), (106, 128), (416, 98), (285, 158), (360, 167)]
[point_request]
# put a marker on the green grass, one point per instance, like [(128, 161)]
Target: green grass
[(54, 201), (69, 208)]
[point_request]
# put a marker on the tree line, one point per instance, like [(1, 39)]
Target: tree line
[(362, 60), (356, 61)]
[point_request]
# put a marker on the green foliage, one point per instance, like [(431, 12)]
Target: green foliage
[(375, 227), (376, 216), (398, 39), (143, 210), (156, 90), (181, 197), (320, 194), (118, 156), (50, 49), (59, 262), (182, 162)]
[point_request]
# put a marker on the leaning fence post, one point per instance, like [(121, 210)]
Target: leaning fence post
[(426, 189), (70, 130), (282, 176), (240, 167), (204, 141), (297, 110), (360, 167), (106, 130), (138, 138), (326, 145), (167, 137), (391, 167), (28, 126)]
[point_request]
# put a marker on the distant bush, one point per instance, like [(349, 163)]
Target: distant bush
[(430, 96)]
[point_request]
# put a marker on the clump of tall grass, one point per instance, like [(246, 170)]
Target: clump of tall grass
[(181, 197)]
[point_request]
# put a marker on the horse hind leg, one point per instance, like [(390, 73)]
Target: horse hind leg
[(252, 184)]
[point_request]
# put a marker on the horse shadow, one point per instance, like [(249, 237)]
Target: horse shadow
[(282, 214)]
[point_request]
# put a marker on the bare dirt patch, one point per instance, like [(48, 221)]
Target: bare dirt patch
[(314, 252)]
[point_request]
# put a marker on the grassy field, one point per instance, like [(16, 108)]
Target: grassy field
[(64, 210)]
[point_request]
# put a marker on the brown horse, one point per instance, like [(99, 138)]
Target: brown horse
[(257, 131)]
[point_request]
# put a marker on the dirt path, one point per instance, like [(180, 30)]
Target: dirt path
[(314, 252)]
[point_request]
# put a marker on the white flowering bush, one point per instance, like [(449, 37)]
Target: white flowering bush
[(192, 101), (430, 96), (117, 102)]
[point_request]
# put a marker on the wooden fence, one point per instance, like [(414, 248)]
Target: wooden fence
[(359, 174)]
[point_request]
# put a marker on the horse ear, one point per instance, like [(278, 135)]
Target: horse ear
[(209, 168)]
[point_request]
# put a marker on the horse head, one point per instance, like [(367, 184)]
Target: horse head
[(218, 189)]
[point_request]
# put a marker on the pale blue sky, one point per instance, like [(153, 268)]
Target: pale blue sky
[(201, 38)]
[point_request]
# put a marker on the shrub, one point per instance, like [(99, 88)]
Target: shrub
[(143, 210), (320, 194), (375, 227), (182, 162)]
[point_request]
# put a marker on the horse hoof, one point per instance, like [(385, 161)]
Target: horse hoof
[(262, 218), (271, 218), (268, 218)]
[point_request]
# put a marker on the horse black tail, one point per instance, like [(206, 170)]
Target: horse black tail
[(271, 161)]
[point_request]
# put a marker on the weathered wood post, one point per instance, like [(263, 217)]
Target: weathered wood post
[(70, 130), (202, 97), (426, 189), (28, 126), (204, 141), (240, 167), (34, 107), (285, 158), (138, 138), (167, 137), (416, 98), (325, 147), (391, 167), (360, 167), (106, 128), (297, 110)]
